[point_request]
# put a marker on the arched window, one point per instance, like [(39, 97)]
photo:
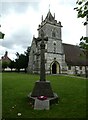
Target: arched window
[(54, 47), (53, 34)]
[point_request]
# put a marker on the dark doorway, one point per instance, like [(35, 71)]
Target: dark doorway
[(54, 68)]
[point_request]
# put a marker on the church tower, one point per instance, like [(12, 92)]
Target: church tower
[(54, 54)]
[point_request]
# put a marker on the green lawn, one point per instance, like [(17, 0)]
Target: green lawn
[(16, 87)]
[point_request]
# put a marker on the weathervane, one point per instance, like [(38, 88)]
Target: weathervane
[(49, 7)]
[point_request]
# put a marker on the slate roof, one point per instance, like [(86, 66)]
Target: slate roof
[(74, 55)]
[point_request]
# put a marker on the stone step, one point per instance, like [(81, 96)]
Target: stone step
[(41, 104)]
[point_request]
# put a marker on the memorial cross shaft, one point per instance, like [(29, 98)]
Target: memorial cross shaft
[(42, 87), (42, 55)]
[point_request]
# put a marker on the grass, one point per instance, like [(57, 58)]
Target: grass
[(16, 87)]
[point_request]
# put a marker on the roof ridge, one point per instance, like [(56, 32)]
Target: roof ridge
[(70, 44)]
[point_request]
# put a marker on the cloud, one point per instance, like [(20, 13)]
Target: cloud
[(19, 7), (19, 28), (73, 28), (20, 21)]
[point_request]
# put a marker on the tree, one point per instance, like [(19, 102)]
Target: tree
[(4, 65), (82, 9), (22, 60), (17, 64), (11, 65), (2, 35), (27, 55)]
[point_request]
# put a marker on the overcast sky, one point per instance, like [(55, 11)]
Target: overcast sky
[(19, 21)]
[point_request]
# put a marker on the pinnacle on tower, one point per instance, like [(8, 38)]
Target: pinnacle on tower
[(54, 15), (42, 18)]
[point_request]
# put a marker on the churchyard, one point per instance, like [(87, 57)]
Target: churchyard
[(16, 87)]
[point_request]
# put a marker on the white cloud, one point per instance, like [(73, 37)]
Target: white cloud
[(19, 27)]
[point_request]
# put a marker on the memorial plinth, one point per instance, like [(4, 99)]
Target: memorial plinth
[(42, 88)]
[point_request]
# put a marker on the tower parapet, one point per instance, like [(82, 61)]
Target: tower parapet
[(50, 19)]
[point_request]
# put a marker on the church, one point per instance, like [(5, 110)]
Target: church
[(60, 58)]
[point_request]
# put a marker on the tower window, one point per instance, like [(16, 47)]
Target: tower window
[(54, 47), (53, 34)]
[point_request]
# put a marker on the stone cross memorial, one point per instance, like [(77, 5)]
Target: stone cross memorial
[(43, 87), (42, 46)]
